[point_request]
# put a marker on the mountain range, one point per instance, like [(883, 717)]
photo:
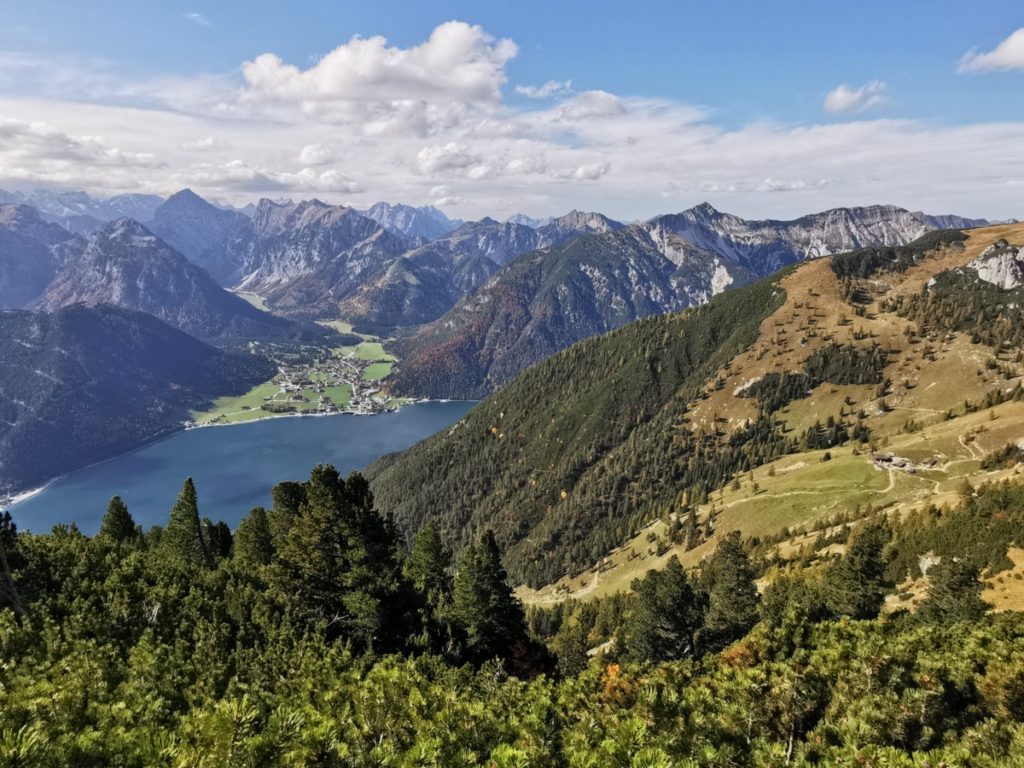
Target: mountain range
[(393, 267), (81, 213), (426, 222), (126, 265), (546, 300)]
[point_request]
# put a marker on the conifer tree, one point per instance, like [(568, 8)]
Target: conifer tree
[(338, 564), (218, 539), (253, 542), (667, 614), (118, 524), (9, 557), (486, 612), (570, 645), (728, 580), (954, 593), (287, 498), (183, 537), (855, 585), (427, 568)]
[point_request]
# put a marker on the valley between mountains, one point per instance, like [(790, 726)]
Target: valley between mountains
[(354, 310), (876, 371), (788, 483)]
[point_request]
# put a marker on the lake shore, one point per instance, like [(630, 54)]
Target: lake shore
[(10, 501), (234, 470)]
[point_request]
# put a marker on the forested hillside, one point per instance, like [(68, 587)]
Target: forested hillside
[(571, 457), (593, 462), (83, 384)]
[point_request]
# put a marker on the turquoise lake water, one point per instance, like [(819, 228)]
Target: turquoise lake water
[(233, 467)]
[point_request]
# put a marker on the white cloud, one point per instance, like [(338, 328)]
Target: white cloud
[(591, 172), (458, 64), (1007, 56), (442, 158), (847, 99), (590, 104), (546, 91), (316, 154), (196, 18), (373, 121), (204, 144)]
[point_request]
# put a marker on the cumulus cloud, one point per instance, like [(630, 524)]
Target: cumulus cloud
[(845, 99), (429, 86), (204, 144), (1007, 56), (441, 158), (363, 124), (196, 18), (316, 154), (591, 171), (546, 91)]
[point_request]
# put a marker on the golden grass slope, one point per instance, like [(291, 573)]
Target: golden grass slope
[(932, 377)]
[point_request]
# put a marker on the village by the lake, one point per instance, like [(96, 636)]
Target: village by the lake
[(312, 381)]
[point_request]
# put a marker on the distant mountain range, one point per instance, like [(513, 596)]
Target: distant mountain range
[(426, 222), (82, 384), (81, 213), (126, 265), (474, 301), (550, 299)]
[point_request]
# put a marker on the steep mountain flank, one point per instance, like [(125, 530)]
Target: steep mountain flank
[(594, 461), (31, 252), (427, 281), (126, 265), (202, 232), (83, 384), (304, 258)]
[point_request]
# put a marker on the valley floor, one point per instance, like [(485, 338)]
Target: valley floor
[(341, 380)]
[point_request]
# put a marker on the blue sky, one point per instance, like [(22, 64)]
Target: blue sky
[(158, 96)]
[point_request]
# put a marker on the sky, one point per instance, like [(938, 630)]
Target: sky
[(495, 108)]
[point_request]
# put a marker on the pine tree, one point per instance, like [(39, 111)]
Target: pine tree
[(487, 614), (428, 569), (728, 580), (183, 537), (253, 542), (570, 645), (428, 566), (954, 593), (288, 497), (9, 559), (337, 564), (855, 585), (666, 616), (118, 524), (692, 530), (218, 539)]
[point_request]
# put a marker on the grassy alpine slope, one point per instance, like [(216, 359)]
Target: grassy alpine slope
[(586, 464)]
